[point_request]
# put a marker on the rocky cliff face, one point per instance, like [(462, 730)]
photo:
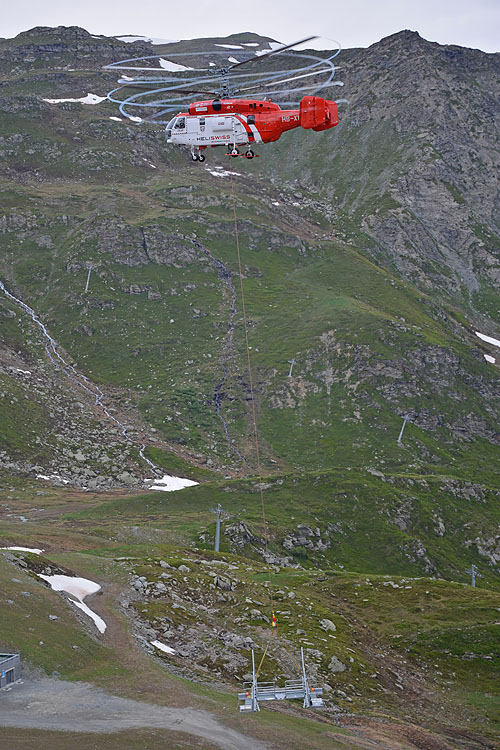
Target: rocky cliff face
[(414, 163)]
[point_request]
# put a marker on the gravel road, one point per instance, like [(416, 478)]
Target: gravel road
[(52, 704)]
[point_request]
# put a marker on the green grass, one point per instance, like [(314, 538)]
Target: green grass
[(455, 192), (291, 305), (23, 422), (170, 370), (446, 632), (371, 525), (44, 643)]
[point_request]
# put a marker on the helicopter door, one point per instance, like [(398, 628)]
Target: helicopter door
[(191, 130)]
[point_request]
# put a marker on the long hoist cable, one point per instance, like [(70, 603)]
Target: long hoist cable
[(256, 432), (252, 400)]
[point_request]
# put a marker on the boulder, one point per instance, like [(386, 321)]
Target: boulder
[(327, 625), (223, 583), (256, 614), (336, 665)]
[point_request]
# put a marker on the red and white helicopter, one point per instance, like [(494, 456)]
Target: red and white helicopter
[(225, 118), (245, 122)]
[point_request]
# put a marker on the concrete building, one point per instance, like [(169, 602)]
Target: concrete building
[(10, 669)]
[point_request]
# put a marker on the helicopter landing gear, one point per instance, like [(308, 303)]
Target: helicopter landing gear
[(232, 150), (249, 154), (196, 155)]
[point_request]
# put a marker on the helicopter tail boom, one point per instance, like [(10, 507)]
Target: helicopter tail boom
[(317, 113)]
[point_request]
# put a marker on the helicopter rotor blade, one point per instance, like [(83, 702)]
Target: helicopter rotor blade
[(273, 52), (279, 81), (172, 89), (193, 91), (167, 90)]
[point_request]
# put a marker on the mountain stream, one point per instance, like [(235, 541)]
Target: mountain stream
[(72, 374)]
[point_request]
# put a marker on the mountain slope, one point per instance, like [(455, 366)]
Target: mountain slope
[(370, 256)]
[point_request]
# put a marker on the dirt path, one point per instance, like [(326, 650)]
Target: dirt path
[(51, 704)]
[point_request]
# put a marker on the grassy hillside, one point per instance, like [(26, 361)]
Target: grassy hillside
[(379, 644)]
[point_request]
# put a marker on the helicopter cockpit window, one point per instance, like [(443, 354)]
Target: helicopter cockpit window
[(251, 119), (169, 127), (180, 123)]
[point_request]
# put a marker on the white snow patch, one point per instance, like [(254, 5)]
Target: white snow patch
[(250, 44), (161, 647), (230, 46), (116, 119), (134, 118), (170, 484), (489, 358), (275, 203), (89, 99), (126, 78), (222, 172), (151, 39), (212, 65), (24, 372), (272, 45), (149, 163), (51, 477), (488, 339), (131, 39), (232, 60), (25, 549), (79, 588), (173, 67)]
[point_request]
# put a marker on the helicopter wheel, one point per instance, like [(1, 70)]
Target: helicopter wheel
[(195, 157), (201, 157), (235, 152), (249, 154)]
